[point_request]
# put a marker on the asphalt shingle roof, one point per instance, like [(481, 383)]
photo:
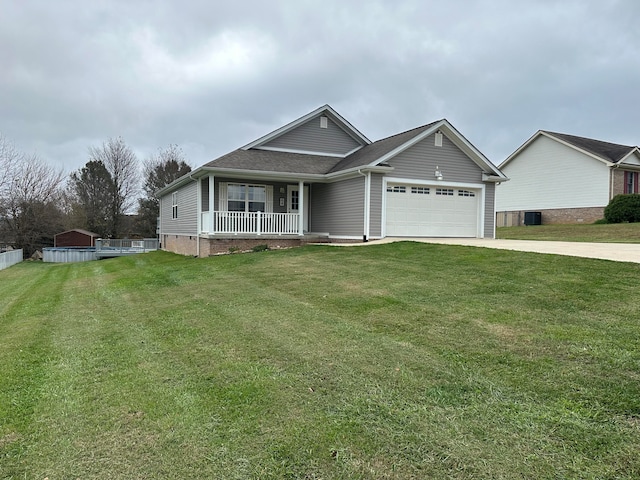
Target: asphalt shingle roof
[(612, 152), (270, 161)]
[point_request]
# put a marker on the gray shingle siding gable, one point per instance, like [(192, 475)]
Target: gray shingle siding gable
[(338, 208), (187, 221), (489, 209), (309, 137), (375, 206), (420, 161)]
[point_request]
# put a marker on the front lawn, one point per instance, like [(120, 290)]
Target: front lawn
[(403, 360), (607, 233)]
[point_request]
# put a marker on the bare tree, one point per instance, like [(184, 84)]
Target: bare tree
[(122, 165), (159, 171), (10, 157), (30, 210)]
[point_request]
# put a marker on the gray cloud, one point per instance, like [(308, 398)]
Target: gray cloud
[(212, 76)]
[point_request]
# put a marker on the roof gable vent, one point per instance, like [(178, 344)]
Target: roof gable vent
[(438, 139), (323, 121)]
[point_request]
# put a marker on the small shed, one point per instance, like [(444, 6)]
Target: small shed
[(75, 238)]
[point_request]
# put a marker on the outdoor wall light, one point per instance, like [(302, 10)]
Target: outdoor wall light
[(438, 174)]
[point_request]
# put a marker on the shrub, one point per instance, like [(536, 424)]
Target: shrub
[(234, 249), (600, 221), (260, 248), (623, 209)]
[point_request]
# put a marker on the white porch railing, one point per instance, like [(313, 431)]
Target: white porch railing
[(255, 223)]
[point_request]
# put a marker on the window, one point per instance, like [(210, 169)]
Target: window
[(630, 182), (246, 198), (420, 190), (295, 200), (396, 188), (444, 191), (466, 193), (174, 205)]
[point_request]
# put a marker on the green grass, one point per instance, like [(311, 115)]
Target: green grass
[(387, 361), (607, 233)]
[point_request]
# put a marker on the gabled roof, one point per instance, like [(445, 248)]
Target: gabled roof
[(378, 149), (611, 153), (324, 110), (79, 230), (256, 161)]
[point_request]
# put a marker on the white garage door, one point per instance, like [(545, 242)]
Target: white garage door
[(421, 211)]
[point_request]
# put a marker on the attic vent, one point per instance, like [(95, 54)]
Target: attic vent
[(438, 139), (323, 122)]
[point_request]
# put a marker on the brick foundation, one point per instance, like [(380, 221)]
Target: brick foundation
[(552, 216), (186, 245)]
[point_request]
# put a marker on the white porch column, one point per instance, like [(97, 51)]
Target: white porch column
[(199, 214), (212, 227), (301, 207)]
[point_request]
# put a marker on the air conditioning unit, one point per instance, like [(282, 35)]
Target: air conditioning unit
[(533, 218)]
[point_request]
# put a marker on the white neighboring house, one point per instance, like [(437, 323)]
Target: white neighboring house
[(568, 179)]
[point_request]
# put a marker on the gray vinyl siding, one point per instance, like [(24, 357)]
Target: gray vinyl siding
[(420, 161), (309, 137), (338, 208), (375, 207), (489, 209), (187, 221)]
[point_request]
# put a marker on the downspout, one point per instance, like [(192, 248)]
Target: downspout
[(198, 214), (615, 166)]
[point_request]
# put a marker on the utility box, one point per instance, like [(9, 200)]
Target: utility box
[(533, 218)]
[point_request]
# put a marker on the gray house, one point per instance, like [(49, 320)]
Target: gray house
[(319, 179)]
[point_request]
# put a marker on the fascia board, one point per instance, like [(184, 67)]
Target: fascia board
[(183, 180), (351, 172), (290, 126), (624, 159), (301, 152), (521, 148), (263, 174), (472, 152), (578, 149)]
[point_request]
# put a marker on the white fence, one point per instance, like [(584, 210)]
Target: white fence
[(116, 247), (10, 258), (68, 254)]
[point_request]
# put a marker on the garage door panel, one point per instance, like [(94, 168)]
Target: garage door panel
[(429, 214)]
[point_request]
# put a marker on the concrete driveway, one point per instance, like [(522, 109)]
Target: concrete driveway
[(619, 252)]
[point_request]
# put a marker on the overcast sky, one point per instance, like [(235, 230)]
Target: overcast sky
[(212, 76)]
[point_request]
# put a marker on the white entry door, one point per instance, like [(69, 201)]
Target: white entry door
[(293, 203)]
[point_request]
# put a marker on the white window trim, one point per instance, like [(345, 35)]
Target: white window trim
[(223, 197), (174, 205)]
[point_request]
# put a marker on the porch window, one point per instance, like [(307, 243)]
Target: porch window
[(246, 198)]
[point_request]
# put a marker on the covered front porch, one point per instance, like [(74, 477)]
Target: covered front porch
[(252, 208)]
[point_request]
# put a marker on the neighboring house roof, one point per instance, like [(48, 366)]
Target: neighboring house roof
[(79, 230), (604, 151), (254, 158)]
